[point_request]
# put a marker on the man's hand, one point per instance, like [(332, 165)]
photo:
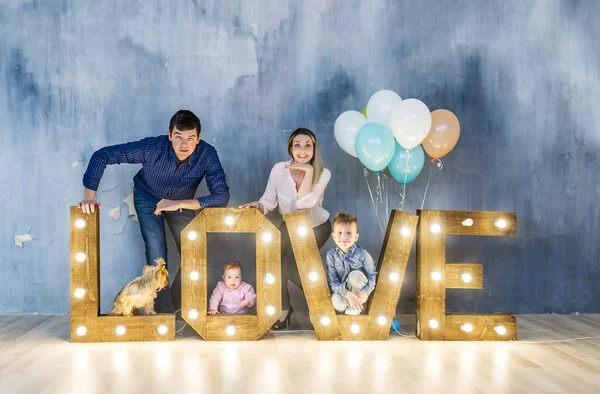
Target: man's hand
[(354, 301), (246, 303), (213, 312), (89, 206), (167, 205), (363, 296)]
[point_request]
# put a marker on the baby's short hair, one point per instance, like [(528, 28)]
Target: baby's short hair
[(344, 218), (231, 265)]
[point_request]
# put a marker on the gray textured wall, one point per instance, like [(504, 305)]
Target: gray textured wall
[(522, 77)]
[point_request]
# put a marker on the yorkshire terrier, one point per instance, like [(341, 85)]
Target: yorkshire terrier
[(141, 292)]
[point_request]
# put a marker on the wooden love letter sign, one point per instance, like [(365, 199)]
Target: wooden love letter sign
[(382, 302), (194, 301), (86, 323), (434, 276)]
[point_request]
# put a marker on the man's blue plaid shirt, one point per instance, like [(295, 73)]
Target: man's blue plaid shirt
[(162, 176)]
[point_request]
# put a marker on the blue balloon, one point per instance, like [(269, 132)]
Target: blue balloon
[(375, 146), (398, 167), (395, 325)]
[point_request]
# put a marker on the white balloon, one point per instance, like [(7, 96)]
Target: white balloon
[(380, 106), (410, 122), (346, 128)]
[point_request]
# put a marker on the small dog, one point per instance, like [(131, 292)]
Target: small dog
[(141, 292)]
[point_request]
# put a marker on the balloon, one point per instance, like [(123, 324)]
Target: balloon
[(364, 111), (395, 324), (410, 122), (380, 106), (346, 128), (375, 146), (443, 135), (399, 167)]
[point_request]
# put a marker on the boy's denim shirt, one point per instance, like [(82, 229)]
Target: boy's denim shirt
[(340, 264)]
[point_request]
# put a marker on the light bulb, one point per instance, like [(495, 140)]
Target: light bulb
[(467, 222), (436, 275), (313, 276), (267, 237), (230, 330), (80, 257), (500, 223), (394, 277), (229, 220), (270, 309), (270, 279), (121, 330), (467, 327), (193, 314), (466, 278), (302, 230), (501, 330), (162, 329), (192, 235), (405, 232), (81, 331), (434, 323), (194, 275), (355, 328), (79, 293), (435, 228), (325, 321), (80, 223), (381, 320)]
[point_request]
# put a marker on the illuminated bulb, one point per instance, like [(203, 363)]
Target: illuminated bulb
[(405, 232), (302, 230), (381, 320), (355, 328), (194, 275), (266, 237), (313, 276), (80, 257), (81, 331), (192, 235), (325, 321), (229, 220), (466, 278), (501, 330), (193, 314), (80, 223), (467, 222), (121, 330), (500, 223), (270, 279), (467, 327), (433, 323), (436, 275), (270, 309), (394, 277), (435, 228), (162, 329), (230, 330), (79, 293)]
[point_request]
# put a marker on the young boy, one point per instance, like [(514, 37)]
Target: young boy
[(350, 269)]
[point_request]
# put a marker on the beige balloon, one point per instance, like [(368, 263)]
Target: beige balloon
[(443, 135)]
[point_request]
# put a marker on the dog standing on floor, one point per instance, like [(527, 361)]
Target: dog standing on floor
[(141, 292)]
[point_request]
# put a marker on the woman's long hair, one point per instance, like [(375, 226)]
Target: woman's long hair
[(317, 161)]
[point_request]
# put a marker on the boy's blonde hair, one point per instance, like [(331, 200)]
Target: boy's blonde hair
[(232, 265), (344, 218)]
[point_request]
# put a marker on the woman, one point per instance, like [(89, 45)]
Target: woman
[(296, 184)]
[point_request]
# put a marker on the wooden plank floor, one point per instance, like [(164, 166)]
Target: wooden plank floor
[(37, 357)]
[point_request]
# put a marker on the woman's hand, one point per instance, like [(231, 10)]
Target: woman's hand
[(167, 205), (306, 168), (253, 204)]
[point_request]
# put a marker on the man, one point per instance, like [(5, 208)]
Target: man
[(172, 168)]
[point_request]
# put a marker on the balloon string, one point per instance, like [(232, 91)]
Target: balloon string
[(406, 171), (440, 165), (385, 193), (366, 174)]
